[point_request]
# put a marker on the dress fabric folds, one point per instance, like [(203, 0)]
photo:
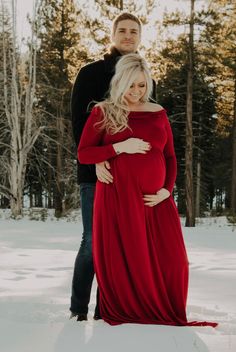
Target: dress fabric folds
[(139, 254)]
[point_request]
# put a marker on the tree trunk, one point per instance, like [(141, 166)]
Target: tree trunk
[(39, 196), (198, 176), (233, 181), (190, 216), (16, 178), (198, 189), (4, 202), (30, 196), (50, 187), (59, 172)]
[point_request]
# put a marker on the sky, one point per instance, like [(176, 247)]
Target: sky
[(25, 7)]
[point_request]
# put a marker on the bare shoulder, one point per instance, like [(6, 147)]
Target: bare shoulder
[(154, 107)]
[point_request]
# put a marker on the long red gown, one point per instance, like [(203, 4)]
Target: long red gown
[(139, 254)]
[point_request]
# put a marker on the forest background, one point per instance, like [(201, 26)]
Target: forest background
[(192, 55)]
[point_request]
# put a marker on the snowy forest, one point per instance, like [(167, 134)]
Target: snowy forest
[(192, 57), (190, 47)]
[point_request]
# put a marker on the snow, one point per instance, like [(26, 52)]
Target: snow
[(36, 266)]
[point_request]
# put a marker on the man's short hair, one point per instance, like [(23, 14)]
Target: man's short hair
[(125, 16)]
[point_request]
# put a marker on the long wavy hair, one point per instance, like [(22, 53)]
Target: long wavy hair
[(115, 108)]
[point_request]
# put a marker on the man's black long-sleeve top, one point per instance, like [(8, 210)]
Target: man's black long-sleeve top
[(91, 86)]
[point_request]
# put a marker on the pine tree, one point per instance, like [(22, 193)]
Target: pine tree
[(211, 62), (172, 87), (60, 55), (221, 60)]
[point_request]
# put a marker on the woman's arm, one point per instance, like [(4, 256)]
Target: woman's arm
[(170, 158), (89, 150)]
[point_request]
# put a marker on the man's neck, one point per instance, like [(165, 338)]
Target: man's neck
[(114, 50), (123, 52)]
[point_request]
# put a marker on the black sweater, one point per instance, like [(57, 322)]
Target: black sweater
[(91, 86)]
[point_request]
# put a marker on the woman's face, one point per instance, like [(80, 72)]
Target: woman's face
[(137, 90)]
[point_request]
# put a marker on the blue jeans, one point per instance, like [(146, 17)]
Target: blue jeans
[(83, 269)]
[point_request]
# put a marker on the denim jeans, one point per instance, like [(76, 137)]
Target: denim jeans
[(83, 269)]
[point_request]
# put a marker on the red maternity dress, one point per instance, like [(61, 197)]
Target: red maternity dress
[(139, 253)]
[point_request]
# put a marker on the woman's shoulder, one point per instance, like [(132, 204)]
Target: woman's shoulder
[(153, 107), (96, 113), (98, 108), (101, 106)]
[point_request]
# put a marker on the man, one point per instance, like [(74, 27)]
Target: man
[(91, 85)]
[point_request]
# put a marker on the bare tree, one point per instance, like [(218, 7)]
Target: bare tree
[(19, 97)]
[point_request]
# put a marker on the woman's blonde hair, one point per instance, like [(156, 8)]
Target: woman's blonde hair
[(115, 108)]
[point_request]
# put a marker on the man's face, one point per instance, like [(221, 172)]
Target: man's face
[(126, 37)]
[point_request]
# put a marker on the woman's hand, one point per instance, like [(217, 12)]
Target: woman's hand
[(102, 172), (132, 146), (153, 199)]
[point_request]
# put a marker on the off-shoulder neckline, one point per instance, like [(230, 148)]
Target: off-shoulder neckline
[(145, 111)]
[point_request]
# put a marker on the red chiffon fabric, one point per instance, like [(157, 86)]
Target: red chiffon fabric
[(139, 254)]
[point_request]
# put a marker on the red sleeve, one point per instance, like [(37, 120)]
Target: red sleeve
[(170, 158), (90, 150)]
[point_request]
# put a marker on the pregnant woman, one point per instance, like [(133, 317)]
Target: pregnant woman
[(138, 249)]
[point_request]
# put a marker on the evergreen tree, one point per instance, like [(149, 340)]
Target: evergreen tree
[(171, 90), (220, 54), (211, 60), (60, 55)]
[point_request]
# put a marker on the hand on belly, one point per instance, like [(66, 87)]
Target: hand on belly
[(153, 199)]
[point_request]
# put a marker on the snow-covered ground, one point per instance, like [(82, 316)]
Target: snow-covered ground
[(36, 265)]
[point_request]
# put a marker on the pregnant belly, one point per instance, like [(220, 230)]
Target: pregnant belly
[(148, 170)]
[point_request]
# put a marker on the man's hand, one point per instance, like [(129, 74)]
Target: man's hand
[(102, 172), (153, 199)]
